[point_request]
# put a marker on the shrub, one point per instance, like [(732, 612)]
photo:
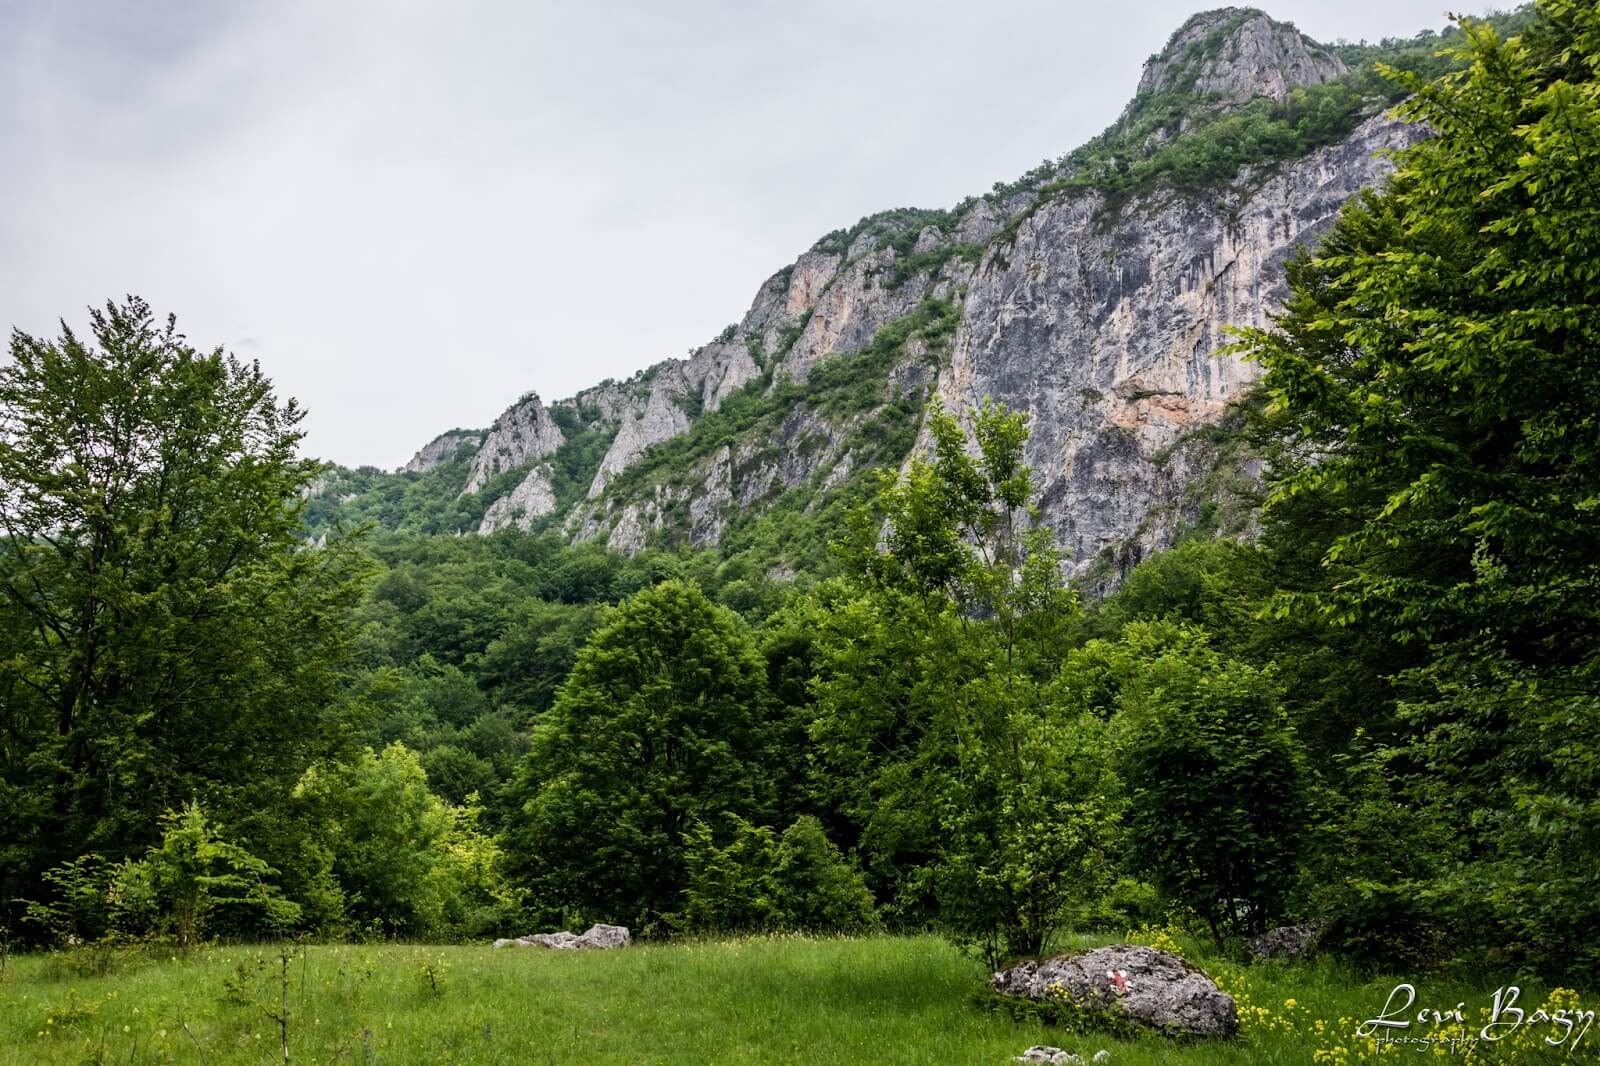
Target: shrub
[(760, 880), (1215, 787), (192, 878), (407, 863), (815, 886)]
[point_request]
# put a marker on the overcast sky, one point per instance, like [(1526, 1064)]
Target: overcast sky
[(411, 213)]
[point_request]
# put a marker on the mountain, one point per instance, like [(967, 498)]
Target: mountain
[(1093, 293)]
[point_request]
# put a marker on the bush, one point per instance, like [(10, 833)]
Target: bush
[(190, 881), (1215, 778), (816, 887), (192, 875), (760, 880), (406, 862)]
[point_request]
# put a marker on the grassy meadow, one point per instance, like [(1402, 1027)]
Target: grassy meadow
[(781, 1000)]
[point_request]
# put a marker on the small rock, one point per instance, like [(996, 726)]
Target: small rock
[(1044, 1053), (1152, 988), (562, 941), (1284, 942), (1100, 1056), (597, 938)]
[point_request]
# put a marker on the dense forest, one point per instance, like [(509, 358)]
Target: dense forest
[(225, 714)]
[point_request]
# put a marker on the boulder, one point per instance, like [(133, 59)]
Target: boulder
[(598, 938), (562, 941), (1284, 942), (1149, 987), (605, 936)]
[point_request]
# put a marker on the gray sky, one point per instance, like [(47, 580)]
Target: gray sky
[(414, 212)]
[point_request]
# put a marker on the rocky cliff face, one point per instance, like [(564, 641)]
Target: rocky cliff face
[(1101, 316), (1236, 54), (1106, 322), (533, 498), (440, 449), (525, 432)]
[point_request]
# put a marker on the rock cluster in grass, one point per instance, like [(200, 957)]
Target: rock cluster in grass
[(1054, 1056), (597, 938), (1139, 984), (1284, 942)]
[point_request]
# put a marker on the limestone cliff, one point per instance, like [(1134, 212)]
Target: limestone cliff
[(525, 432), (1105, 321), (1092, 294), (533, 498), (440, 449), (1235, 54)]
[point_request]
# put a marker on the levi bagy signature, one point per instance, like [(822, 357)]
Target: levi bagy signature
[(1402, 1021)]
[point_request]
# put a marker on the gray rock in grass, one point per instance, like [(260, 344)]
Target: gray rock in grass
[(1152, 988), (1284, 942), (597, 938), (1046, 1054)]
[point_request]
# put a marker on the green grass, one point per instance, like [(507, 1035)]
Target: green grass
[(785, 1000)]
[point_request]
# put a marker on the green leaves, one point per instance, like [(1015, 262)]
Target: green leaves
[(1216, 785), (164, 634), (660, 725), (1437, 365), (761, 880)]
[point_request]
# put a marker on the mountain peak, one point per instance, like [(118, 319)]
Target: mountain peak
[(1237, 53)]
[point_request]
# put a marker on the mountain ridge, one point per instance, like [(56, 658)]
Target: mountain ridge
[(1090, 293)]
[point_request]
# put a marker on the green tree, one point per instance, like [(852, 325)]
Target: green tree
[(455, 774), (1437, 362), (816, 887), (977, 797), (382, 830), (165, 633), (1216, 789), (530, 658), (1029, 819), (660, 726)]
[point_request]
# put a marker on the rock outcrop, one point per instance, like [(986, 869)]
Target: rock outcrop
[(525, 432), (1054, 1056), (805, 448), (1107, 323), (858, 301), (1287, 942), (1237, 54), (663, 417), (440, 449), (1142, 985), (534, 497)]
